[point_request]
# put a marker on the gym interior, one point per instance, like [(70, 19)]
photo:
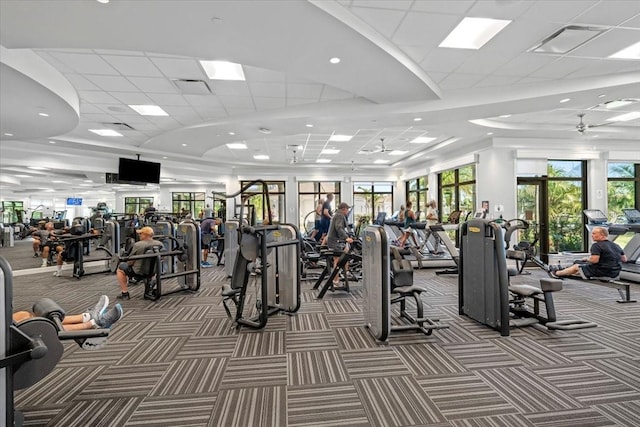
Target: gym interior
[(114, 118)]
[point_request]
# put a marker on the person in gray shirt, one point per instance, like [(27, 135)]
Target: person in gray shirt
[(133, 268), (337, 235)]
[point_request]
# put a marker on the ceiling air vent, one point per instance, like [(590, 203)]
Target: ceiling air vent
[(567, 39), (192, 87), (117, 126)]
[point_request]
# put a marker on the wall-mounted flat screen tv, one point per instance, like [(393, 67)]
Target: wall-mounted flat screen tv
[(74, 201), (139, 171)]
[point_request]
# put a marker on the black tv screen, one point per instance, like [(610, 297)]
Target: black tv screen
[(130, 170)]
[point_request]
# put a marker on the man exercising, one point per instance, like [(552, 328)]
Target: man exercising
[(605, 260), (134, 267), (336, 234)]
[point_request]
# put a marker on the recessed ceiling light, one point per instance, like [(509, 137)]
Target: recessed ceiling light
[(184, 145), (381, 161), (87, 180), (8, 134), (232, 133), (22, 176), (602, 95), (43, 114), (335, 60), (340, 138), (261, 157), (237, 146), (59, 182), (473, 33), (105, 132), (223, 70), (309, 125), (52, 142), (625, 117), (417, 119), (37, 168), (323, 160), (266, 131), (103, 1), (422, 140), (397, 153), (617, 103), (562, 101), (489, 133), (630, 52), (165, 157), (504, 116), (330, 151), (148, 110)]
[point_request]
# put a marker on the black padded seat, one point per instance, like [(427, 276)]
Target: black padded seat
[(407, 290), (524, 290)]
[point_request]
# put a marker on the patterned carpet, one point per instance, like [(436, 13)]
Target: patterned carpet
[(180, 362)]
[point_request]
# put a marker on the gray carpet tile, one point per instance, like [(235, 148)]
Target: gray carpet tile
[(181, 361)]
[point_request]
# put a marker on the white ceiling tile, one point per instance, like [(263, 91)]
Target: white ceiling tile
[(133, 65), (417, 53), (85, 64), (80, 83), (94, 97), (164, 122), (561, 68), (299, 101), (112, 83), (604, 67), (236, 102), (443, 6), (145, 126), (176, 111), (525, 64), (608, 43), (482, 63), (98, 118), (460, 81), (180, 68), (168, 99), (272, 90), (297, 90), (153, 84), (89, 109), (423, 29), (58, 65), (383, 21), (331, 93), (230, 88), (445, 60), (610, 12), (203, 101), (383, 4), (558, 11), (499, 9), (492, 81), (255, 74), (265, 103), (132, 98)]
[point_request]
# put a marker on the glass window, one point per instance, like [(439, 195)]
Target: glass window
[(369, 199), (309, 193), (136, 205), (457, 191), (187, 203), (417, 193), (566, 201), (623, 181), (258, 201)]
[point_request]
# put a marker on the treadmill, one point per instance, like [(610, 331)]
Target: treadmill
[(631, 269)]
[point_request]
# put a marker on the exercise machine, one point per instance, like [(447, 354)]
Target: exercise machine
[(484, 292), (30, 350), (381, 289), (271, 255)]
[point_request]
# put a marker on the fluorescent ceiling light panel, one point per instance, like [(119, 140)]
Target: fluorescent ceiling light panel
[(330, 151), (237, 146), (617, 103), (37, 168), (473, 33), (148, 110), (22, 176), (323, 160), (422, 140), (625, 117), (631, 52), (223, 70), (381, 161), (397, 153), (105, 132), (567, 39), (340, 138), (261, 157)]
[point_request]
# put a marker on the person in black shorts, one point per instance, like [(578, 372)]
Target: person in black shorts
[(605, 261)]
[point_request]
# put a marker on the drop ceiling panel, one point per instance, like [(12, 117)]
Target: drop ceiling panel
[(423, 29), (163, 99), (604, 67), (85, 64), (98, 117), (94, 97), (310, 91), (267, 103), (112, 83), (557, 11), (203, 101), (561, 67), (267, 89), (610, 12), (180, 68), (133, 65), (255, 74), (152, 84), (443, 6), (383, 4), (445, 60), (608, 43), (299, 101), (492, 81), (525, 64), (80, 83), (89, 109), (485, 63), (132, 98), (231, 88), (332, 93), (499, 9), (383, 21)]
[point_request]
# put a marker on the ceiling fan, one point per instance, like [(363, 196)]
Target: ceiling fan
[(582, 127), (380, 149)]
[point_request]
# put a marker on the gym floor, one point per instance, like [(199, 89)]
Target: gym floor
[(179, 361)]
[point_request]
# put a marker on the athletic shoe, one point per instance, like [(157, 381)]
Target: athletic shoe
[(57, 273), (100, 307), (123, 296), (107, 319), (206, 264), (35, 255)]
